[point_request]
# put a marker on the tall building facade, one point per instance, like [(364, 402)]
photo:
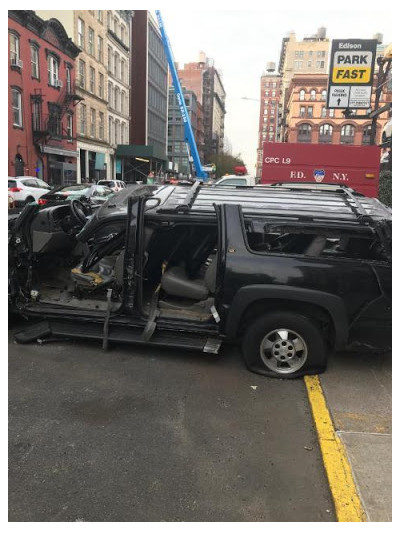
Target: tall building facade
[(309, 121), (179, 160), (307, 56), (118, 83), (42, 99), (269, 128), (206, 82), (147, 151), (88, 31)]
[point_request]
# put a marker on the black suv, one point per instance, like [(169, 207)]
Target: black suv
[(290, 273)]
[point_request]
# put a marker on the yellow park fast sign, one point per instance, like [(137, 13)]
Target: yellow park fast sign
[(351, 73)]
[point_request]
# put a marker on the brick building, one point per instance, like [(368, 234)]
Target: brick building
[(268, 129), (308, 120), (42, 98), (206, 82)]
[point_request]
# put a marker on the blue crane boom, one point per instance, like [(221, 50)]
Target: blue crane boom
[(189, 137)]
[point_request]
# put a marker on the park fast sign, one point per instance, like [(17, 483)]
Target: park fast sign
[(351, 73)]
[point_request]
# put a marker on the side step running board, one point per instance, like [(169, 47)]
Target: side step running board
[(132, 335)]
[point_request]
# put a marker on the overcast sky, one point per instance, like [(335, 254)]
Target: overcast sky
[(241, 42)]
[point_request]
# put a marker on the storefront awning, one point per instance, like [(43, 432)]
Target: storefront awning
[(140, 150)]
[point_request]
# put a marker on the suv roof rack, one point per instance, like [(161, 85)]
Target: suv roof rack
[(341, 205)]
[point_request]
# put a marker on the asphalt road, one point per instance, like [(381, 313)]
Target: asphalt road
[(157, 435)]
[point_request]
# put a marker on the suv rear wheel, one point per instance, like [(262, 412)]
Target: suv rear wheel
[(284, 345)]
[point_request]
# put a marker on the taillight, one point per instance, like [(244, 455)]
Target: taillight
[(15, 189), (370, 176), (42, 201)]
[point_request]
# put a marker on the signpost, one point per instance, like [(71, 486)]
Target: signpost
[(351, 73)]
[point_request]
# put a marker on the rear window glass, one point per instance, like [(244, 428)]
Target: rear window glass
[(233, 181), (106, 182)]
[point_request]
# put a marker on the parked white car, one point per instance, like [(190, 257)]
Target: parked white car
[(26, 189), (115, 185), (234, 179)]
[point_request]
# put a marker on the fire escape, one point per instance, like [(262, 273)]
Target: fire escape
[(50, 125)]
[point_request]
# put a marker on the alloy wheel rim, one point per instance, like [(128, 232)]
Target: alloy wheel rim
[(283, 351)]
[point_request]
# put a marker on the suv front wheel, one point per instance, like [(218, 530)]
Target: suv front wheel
[(284, 345)]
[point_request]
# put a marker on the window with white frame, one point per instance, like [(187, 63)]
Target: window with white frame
[(69, 79), (14, 48), (116, 61), (110, 130), (123, 133), (100, 49), (92, 122), (82, 119), (70, 126), (92, 80), (109, 59), (101, 85), (17, 107), (35, 61), (123, 70), (91, 41), (52, 70), (81, 33), (101, 125), (82, 74), (302, 94)]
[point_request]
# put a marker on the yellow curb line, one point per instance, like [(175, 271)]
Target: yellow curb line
[(344, 492)]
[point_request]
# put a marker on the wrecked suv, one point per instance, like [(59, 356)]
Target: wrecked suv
[(290, 274)]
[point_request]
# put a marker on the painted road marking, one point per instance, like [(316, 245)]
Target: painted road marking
[(344, 492)]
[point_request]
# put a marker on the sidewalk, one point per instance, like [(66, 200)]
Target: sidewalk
[(358, 392)]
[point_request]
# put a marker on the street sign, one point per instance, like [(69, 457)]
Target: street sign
[(351, 73)]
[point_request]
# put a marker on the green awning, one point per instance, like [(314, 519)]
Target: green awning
[(140, 150)]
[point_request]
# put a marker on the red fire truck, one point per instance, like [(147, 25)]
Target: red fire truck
[(354, 166)]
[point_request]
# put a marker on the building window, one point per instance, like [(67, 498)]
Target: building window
[(52, 69), (321, 53), (54, 122), (69, 126), (332, 113), (302, 111), (101, 85), (299, 53), (366, 136), (266, 93), (323, 95), (267, 84), (117, 99), (271, 128), (325, 133), (309, 64), (274, 84), (298, 65), (17, 107), (304, 133), (14, 48), (82, 74), (309, 111), (110, 94), (81, 33), (101, 125), (320, 64), (109, 20), (115, 25), (109, 59), (100, 49), (123, 71), (91, 42), (123, 110), (312, 94), (110, 130), (100, 16), (347, 134), (35, 61), (83, 119), (92, 81), (92, 122), (36, 115), (117, 132), (122, 33), (123, 133), (302, 94), (323, 112), (69, 81), (116, 61), (273, 93)]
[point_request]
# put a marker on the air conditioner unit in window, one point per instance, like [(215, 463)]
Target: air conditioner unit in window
[(59, 83), (17, 62)]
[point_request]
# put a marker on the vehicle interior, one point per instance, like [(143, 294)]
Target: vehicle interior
[(177, 264)]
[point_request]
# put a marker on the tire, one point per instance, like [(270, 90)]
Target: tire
[(298, 349), (29, 200)]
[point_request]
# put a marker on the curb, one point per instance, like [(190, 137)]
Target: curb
[(340, 478)]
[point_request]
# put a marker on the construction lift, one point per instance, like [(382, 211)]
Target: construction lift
[(201, 175)]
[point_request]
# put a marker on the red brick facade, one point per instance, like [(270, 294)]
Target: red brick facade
[(41, 82)]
